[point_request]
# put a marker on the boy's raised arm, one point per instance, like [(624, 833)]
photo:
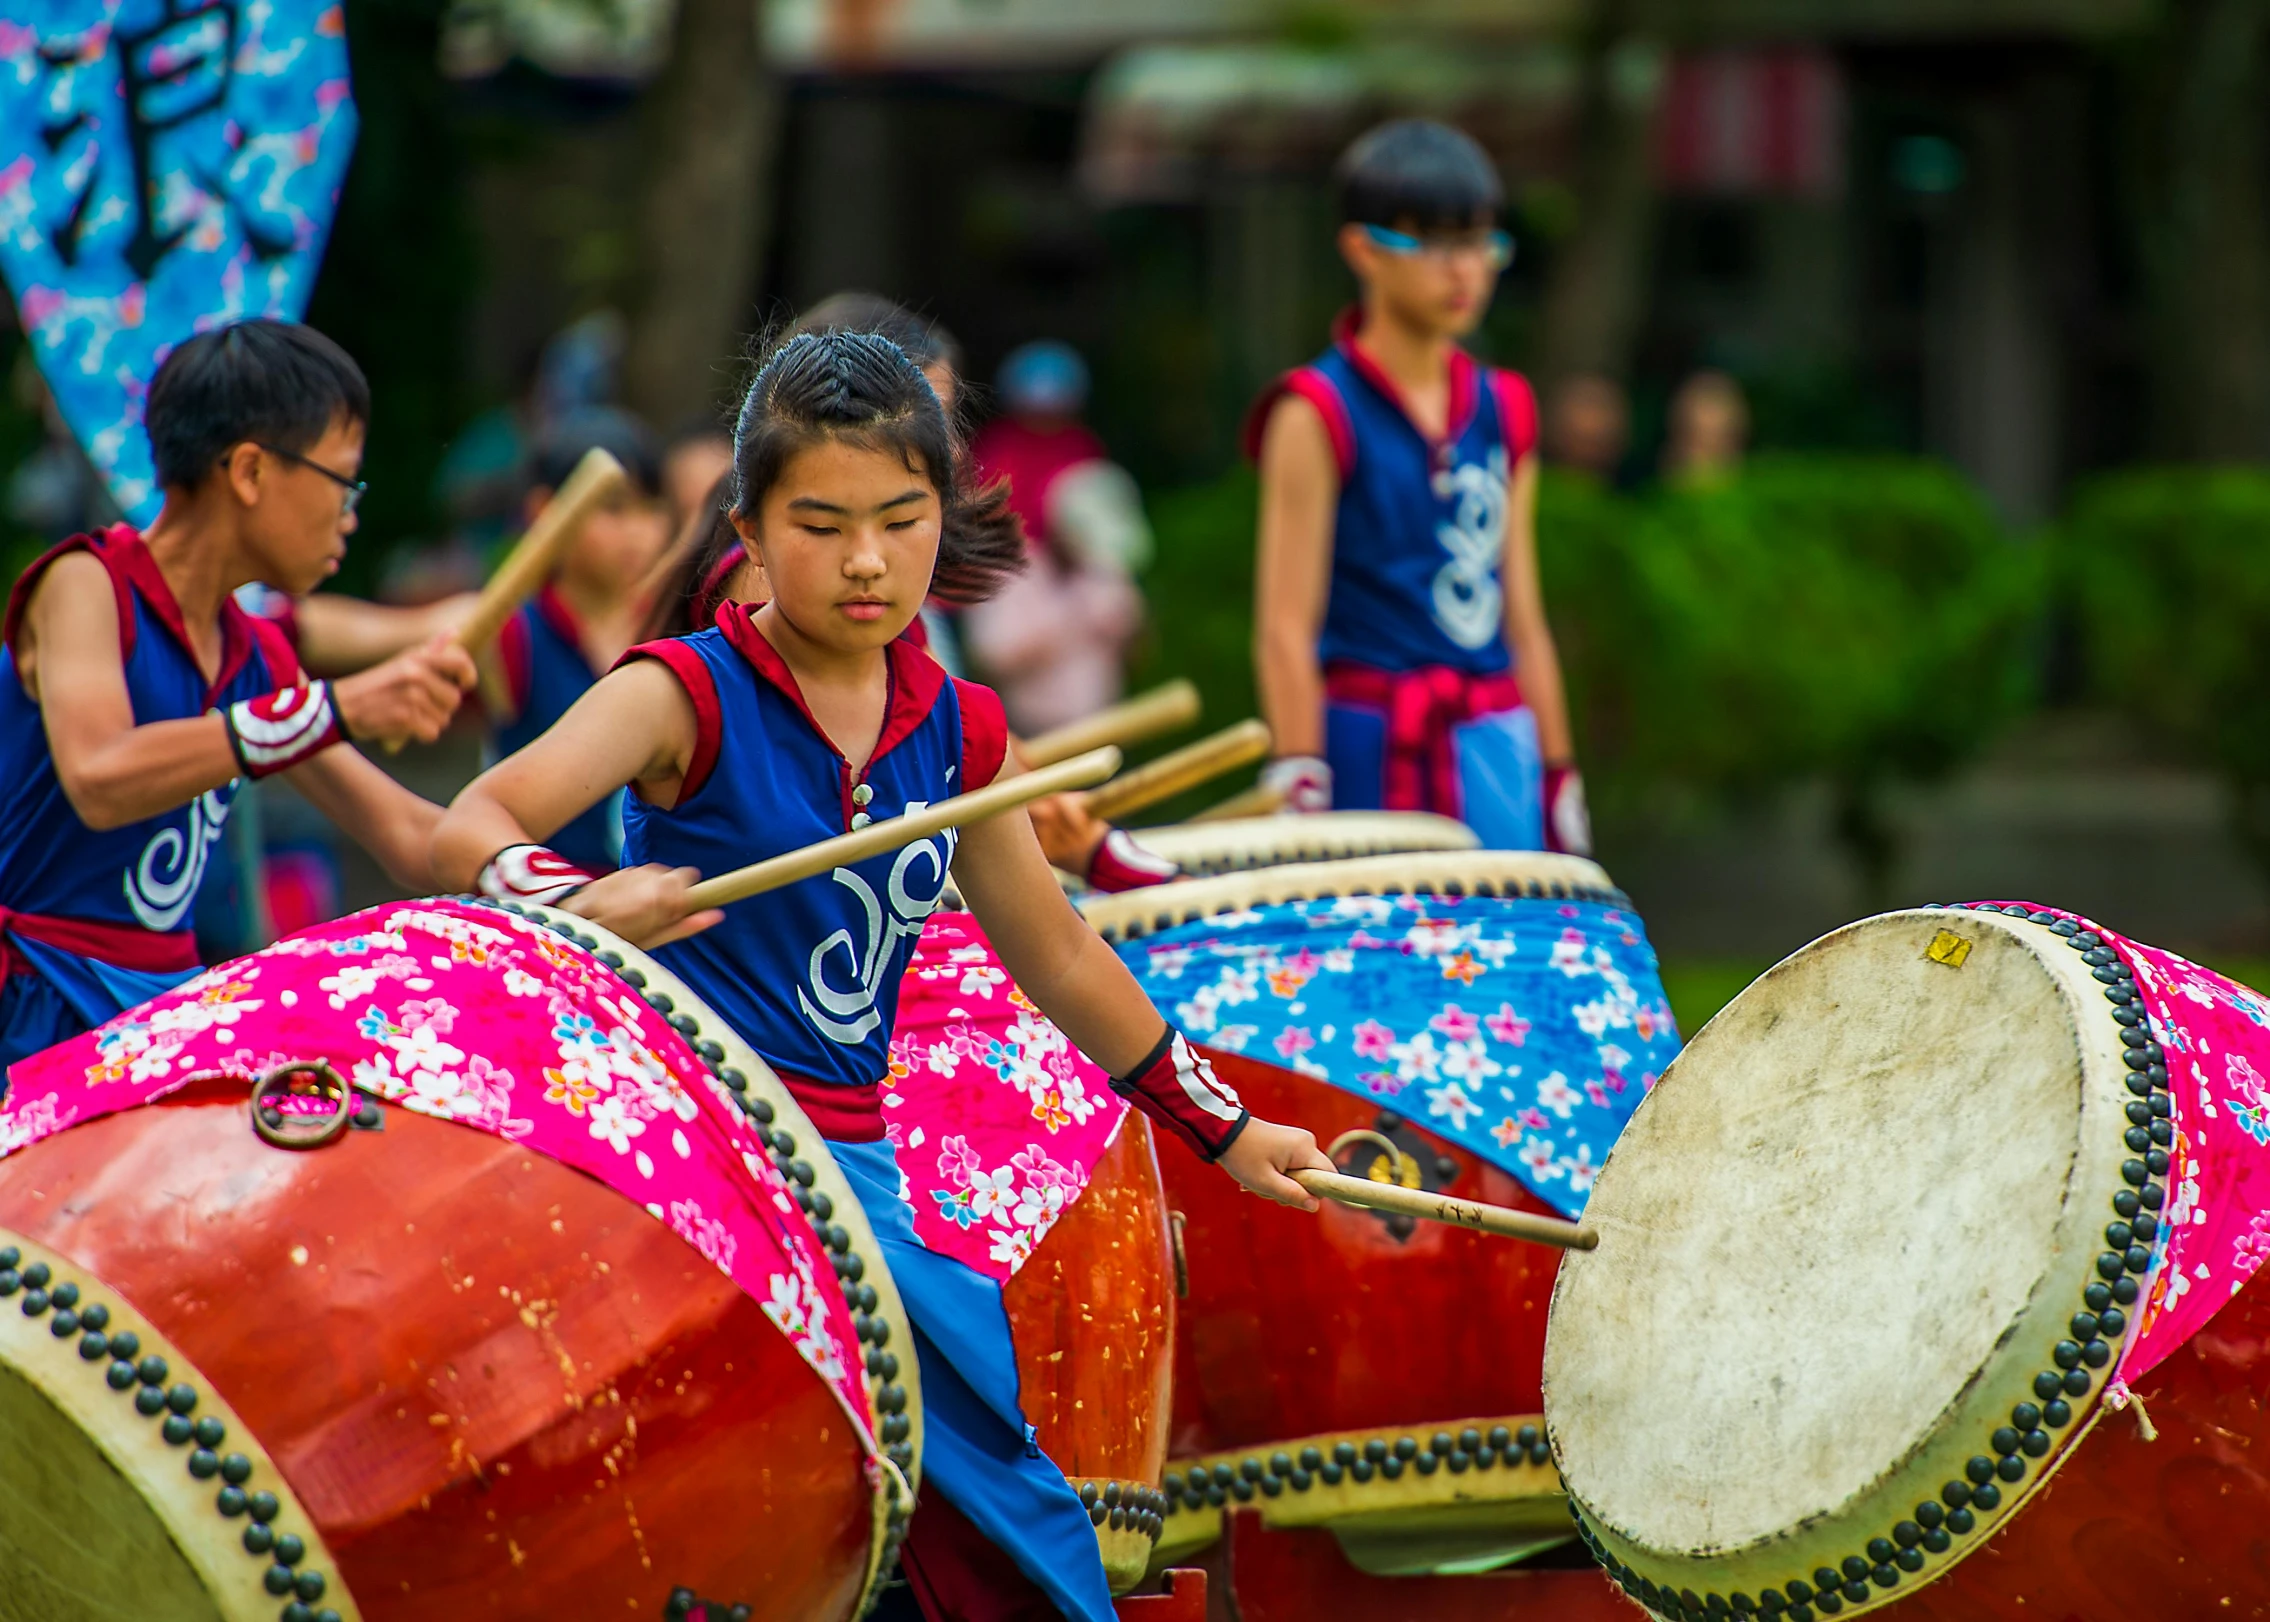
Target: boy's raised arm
[(1300, 481)]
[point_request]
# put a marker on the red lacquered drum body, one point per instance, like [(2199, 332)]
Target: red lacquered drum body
[(1424, 1325), (1093, 1315), (497, 1388), (2177, 1529), (1332, 1355)]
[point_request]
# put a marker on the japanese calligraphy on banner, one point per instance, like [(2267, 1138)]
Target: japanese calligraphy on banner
[(166, 166)]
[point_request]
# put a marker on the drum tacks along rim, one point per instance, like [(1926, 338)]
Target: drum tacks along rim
[(894, 1390), (1204, 848), (1535, 874), (185, 1515), (1852, 1453)]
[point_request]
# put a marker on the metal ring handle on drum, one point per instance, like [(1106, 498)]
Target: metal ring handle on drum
[(1395, 1156), (273, 1084)]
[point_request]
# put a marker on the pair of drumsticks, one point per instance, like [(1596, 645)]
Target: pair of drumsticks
[(1079, 756)]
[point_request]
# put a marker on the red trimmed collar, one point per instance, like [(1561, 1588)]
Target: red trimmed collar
[(1465, 381), (916, 680), (123, 549)]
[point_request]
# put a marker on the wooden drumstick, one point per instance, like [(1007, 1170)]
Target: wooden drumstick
[(892, 832), (1186, 767), (597, 479), (1146, 715), (1417, 1202), (1261, 800)]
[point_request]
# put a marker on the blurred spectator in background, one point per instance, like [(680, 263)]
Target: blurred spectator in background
[(697, 456), (1708, 430), (1588, 424), (583, 619), (1054, 640)]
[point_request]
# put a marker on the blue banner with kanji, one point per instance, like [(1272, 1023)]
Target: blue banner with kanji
[(1524, 1030), (166, 166)]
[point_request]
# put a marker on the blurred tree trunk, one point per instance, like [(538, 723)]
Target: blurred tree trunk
[(2204, 190), (709, 133), (1596, 295)]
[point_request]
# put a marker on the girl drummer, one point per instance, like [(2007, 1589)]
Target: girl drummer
[(786, 724)]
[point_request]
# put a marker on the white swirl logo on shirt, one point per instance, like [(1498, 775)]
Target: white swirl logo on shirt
[(162, 886), (846, 1014), (1469, 602)]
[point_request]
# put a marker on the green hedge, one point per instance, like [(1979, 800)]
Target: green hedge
[(2167, 574), (1860, 619)]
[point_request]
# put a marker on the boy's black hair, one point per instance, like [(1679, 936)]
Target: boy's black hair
[(564, 441), (1418, 172), (275, 383)]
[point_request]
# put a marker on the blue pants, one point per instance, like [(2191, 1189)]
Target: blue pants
[(975, 1449), (1501, 772)]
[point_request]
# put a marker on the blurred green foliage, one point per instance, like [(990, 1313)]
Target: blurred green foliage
[(1858, 619), (2167, 575)]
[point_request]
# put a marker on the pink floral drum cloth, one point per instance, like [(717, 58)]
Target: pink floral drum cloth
[(2213, 1235), (470, 1014), (997, 1118)]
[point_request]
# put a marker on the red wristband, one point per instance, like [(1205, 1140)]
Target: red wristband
[(1121, 864), (1177, 1088), (279, 730), (533, 873)]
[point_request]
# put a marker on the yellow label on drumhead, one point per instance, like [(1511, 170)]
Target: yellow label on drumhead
[(1949, 948)]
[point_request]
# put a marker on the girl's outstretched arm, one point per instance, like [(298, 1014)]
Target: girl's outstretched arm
[(1077, 981), (635, 726)]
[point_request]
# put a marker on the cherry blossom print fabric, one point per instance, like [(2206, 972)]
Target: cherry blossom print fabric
[(2215, 1231), (472, 1015), (996, 1117), (1524, 1030)]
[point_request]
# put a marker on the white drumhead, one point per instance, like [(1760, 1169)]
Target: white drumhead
[(1837, 1242), (1200, 848)]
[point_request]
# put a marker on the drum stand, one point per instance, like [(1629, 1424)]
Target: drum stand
[(1180, 1596)]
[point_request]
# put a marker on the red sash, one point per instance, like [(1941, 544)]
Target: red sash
[(1423, 709), (120, 945), (838, 1113)]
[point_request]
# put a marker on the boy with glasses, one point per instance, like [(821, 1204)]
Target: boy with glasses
[(138, 693), (1400, 640)]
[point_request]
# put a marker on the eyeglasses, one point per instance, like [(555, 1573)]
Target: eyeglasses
[(352, 489), (1494, 246)]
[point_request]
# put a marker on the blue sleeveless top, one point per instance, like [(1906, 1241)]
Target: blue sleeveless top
[(546, 671), (1419, 529), (142, 877), (809, 974)]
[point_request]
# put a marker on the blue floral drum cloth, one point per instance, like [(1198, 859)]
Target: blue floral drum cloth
[(1524, 1030)]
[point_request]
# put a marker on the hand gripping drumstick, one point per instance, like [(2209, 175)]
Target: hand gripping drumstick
[(1162, 709), (1186, 767), (889, 834), (1417, 1202), (595, 481)]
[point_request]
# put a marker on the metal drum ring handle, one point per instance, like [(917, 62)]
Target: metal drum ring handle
[(276, 1084), (1378, 1140)]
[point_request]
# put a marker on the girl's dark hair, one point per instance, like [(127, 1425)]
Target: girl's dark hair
[(694, 581), (859, 388), (925, 341), (1419, 171)]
